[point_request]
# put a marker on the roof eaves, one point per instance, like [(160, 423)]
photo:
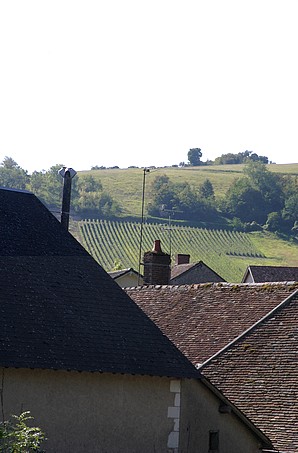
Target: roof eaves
[(195, 374), (247, 331), (16, 190)]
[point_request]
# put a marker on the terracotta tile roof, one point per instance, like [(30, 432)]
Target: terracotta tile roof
[(202, 319), (262, 274), (259, 374), (60, 310)]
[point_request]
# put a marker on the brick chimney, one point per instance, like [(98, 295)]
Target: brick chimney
[(157, 270), (182, 259)]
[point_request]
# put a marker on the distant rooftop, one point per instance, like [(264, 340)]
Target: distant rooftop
[(261, 274)]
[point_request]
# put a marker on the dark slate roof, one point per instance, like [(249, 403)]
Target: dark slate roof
[(60, 310), (261, 274), (202, 319), (179, 269), (259, 374), (197, 272)]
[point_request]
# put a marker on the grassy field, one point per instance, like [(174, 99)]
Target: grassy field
[(227, 252), (125, 185), (278, 251)]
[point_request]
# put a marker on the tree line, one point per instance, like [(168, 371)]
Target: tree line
[(88, 198), (195, 154), (259, 199)]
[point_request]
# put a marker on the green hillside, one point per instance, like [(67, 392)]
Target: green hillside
[(227, 252), (125, 185)]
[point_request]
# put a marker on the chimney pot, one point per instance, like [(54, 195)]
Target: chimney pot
[(182, 258), (157, 246)]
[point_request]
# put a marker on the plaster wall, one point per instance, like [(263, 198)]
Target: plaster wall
[(248, 278), (200, 415), (92, 412), (129, 280)]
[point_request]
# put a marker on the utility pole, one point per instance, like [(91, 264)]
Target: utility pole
[(67, 174), (145, 171)]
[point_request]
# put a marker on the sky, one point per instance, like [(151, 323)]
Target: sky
[(135, 82)]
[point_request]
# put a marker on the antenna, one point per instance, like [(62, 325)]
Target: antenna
[(169, 228), (171, 213)]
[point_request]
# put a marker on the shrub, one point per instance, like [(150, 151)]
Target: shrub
[(17, 437)]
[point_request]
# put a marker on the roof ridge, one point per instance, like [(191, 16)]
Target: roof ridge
[(218, 284), (249, 330), (271, 265)]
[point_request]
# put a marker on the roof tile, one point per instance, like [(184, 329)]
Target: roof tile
[(60, 310), (258, 373), (202, 319)]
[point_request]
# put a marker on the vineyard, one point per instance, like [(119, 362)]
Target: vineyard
[(117, 244)]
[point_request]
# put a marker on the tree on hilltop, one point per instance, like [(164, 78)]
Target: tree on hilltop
[(240, 158), (194, 157)]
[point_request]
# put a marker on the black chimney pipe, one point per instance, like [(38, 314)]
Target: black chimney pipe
[(67, 175)]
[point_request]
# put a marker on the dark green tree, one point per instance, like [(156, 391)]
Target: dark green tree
[(160, 182), (239, 158), (88, 183), (290, 211), (228, 159), (12, 175), (9, 163), (245, 202), (90, 199), (267, 183), (180, 198), (87, 195), (264, 197), (194, 157), (48, 186), (206, 189), (274, 221), (163, 195)]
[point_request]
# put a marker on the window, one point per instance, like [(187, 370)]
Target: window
[(213, 441)]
